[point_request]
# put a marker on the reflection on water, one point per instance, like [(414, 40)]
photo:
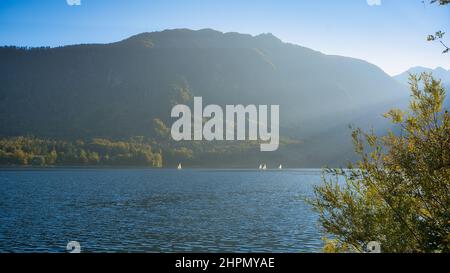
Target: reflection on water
[(141, 210)]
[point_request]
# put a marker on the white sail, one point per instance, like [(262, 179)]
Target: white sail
[(179, 166), (260, 166), (280, 167), (264, 167)]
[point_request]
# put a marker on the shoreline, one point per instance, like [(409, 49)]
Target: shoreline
[(75, 167)]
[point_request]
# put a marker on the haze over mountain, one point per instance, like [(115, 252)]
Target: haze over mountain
[(438, 73), (116, 90)]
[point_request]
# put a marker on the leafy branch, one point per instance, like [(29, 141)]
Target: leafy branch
[(438, 36)]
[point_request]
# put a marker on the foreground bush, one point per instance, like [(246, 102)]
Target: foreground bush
[(398, 193)]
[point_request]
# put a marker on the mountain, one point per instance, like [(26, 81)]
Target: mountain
[(439, 73), (116, 90)]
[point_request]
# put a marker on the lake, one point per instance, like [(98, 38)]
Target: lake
[(152, 210)]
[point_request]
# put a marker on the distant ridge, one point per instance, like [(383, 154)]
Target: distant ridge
[(439, 72)]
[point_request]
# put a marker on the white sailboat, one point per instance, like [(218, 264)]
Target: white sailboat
[(260, 166), (280, 167), (179, 166), (264, 167)]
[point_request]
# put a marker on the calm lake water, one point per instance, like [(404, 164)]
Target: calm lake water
[(142, 210)]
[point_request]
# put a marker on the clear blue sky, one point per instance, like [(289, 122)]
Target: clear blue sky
[(390, 35)]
